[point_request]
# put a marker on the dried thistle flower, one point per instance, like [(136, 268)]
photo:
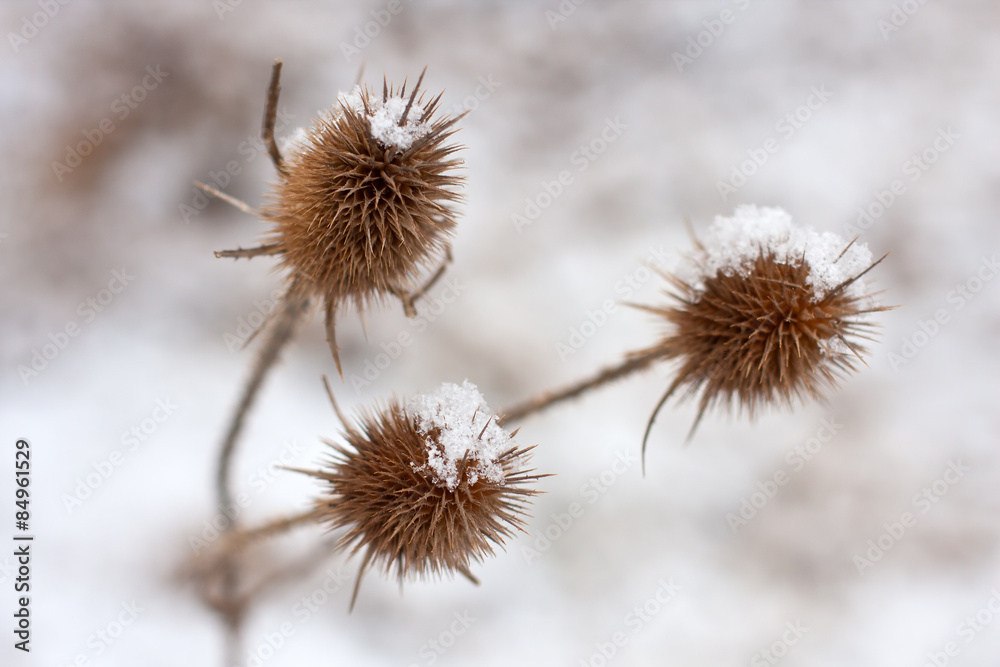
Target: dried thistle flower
[(427, 487), (361, 207), (766, 313)]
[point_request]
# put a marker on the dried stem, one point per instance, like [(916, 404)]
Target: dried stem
[(250, 253), (218, 578), (281, 329), (238, 539), (270, 115), (232, 201), (632, 363), (409, 300)]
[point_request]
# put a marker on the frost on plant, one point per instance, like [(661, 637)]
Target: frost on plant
[(459, 426), (384, 118), (764, 313), (733, 244)]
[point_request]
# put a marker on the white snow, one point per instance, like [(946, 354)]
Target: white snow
[(384, 118), (733, 243), (466, 427)]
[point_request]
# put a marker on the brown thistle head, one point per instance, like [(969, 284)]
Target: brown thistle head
[(428, 487), (765, 313), (361, 207)]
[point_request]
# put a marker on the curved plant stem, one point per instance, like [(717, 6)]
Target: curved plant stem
[(280, 331)]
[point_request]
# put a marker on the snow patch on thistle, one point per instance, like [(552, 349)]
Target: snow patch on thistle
[(384, 118), (457, 425), (733, 244)]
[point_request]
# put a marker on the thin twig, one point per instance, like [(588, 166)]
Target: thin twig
[(409, 300), (270, 115), (633, 363), (224, 562), (240, 538), (280, 332), (250, 253), (229, 199)]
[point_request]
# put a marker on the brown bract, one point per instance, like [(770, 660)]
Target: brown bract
[(760, 337), (406, 522)]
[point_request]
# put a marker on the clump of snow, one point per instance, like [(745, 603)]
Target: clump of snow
[(384, 118), (458, 414), (732, 245)]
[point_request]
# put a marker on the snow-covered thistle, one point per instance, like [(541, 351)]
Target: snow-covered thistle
[(359, 211), (426, 487), (361, 207), (764, 313)]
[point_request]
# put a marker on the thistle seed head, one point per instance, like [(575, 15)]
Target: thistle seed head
[(765, 313), (427, 487), (362, 205)]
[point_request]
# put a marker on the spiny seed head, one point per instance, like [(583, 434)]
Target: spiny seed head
[(765, 313), (427, 487), (362, 205)]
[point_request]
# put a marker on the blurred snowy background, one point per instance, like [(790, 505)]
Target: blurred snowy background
[(870, 527)]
